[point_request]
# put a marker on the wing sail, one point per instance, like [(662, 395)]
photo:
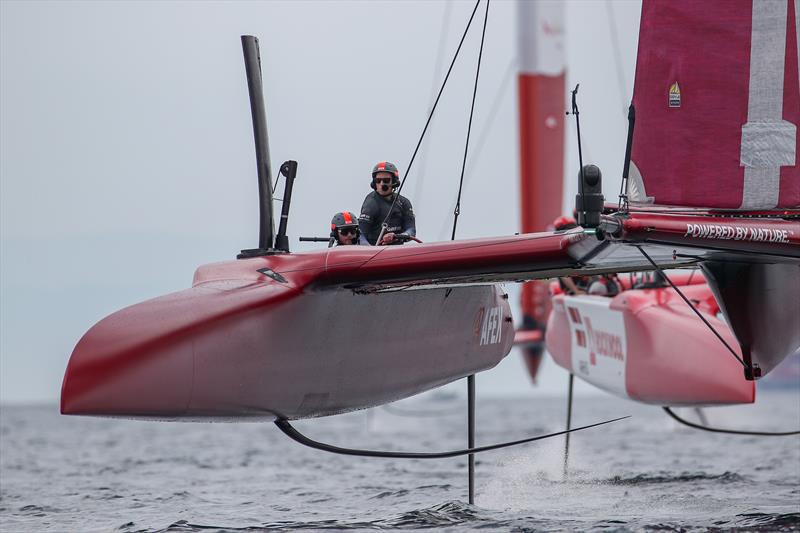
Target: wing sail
[(717, 99)]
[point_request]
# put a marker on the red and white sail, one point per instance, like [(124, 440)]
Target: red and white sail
[(540, 83), (541, 111), (717, 98)]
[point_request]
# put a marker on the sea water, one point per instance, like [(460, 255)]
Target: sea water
[(65, 474)]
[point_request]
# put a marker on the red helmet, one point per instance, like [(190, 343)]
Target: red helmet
[(563, 223), (385, 166), (344, 220)]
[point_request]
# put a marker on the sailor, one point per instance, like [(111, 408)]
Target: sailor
[(600, 285), (564, 223), (383, 205), (604, 285), (344, 229)]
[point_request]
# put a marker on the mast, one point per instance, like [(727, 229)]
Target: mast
[(541, 89), (252, 61)]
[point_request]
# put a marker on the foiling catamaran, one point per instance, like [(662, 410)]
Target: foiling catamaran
[(711, 164), (713, 182)]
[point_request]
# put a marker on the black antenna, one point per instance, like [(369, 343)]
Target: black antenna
[(578, 125), (589, 200), (266, 227)]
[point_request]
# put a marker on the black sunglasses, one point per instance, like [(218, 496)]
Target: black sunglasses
[(348, 231), (383, 180)]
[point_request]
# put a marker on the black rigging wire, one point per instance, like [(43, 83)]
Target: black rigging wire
[(485, 130), (498, 99), (713, 330), (457, 209), (729, 431), (430, 116), (692, 307), (623, 205)]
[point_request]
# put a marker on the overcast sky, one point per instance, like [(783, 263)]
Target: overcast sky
[(126, 151)]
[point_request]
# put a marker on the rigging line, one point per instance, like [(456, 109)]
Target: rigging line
[(623, 90), (437, 68), (485, 129), (457, 210), (430, 115), (693, 308), (729, 431), (492, 113), (295, 435), (694, 271), (624, 184)]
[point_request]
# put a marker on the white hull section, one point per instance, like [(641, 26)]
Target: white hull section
[(599, 348)]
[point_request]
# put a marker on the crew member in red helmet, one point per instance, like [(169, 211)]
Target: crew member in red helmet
[(344, 229), (563, 223), (385, 205)]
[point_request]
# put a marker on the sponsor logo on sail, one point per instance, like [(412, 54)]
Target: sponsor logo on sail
[(674, 95)]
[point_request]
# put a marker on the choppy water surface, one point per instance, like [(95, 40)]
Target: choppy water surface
[(645, 473)]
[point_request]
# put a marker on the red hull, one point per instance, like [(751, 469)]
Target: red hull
[(240, 344), (647, 345), (313, 334), (754, 272)]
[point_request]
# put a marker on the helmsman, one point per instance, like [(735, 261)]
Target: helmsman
[(384, 206)]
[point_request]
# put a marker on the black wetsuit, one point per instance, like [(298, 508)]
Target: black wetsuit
[(374, 211)]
